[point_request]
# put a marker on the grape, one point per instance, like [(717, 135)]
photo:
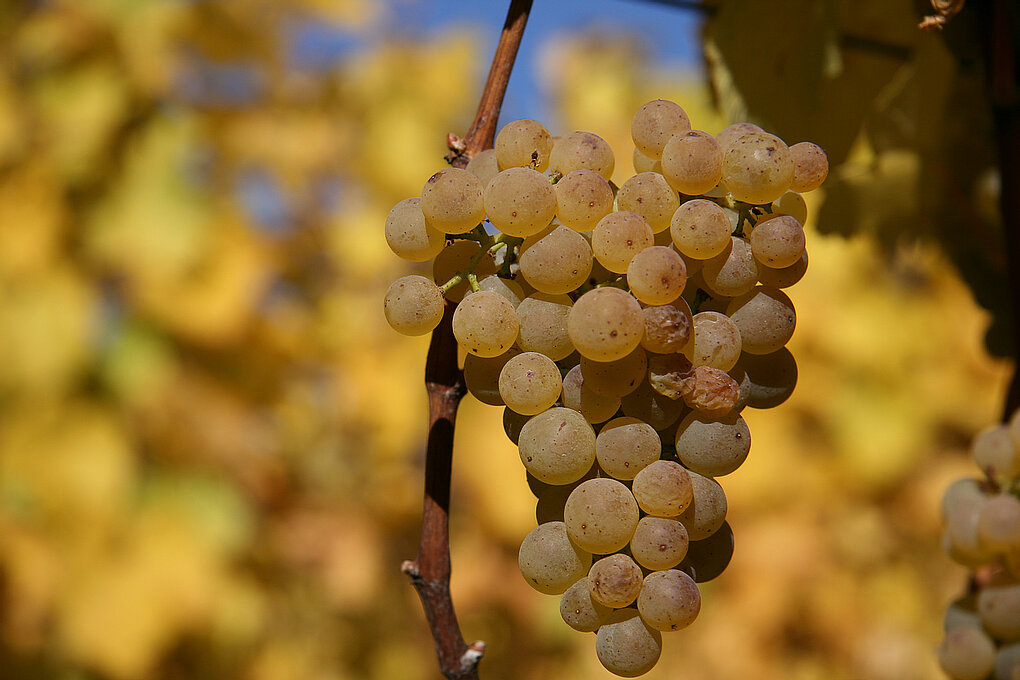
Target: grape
[(707, 511), (667, 327), (513, 423), (765, 319), (615, 378), (485, 323), (413, 305), (967, 654), (1007, 663), (960, 613), (601, 515), (692, 162), (712, 446), (791, 203), (663, 489), (615, 581), (549, 561), (654, 123), (757, 168), (961, 526), (785, 277), (810, 166), (995, 451), (553, 497), (580, 611), (999, 522), (730, 133), (648, 194), (708, 390), (530, 383), (606, 324), (484, 166), (659, 543), (557, 446), (481, 376), (454, 259), (596, 408), (669, 600), (556, 260), (508, 288), (523, 143), (626, 445), (408, 236), (708, 558), (451, 201), (583, 197), (657, 275), (520, 201), (732, 272), (643, 163), (626, 645), (543, 320), (766, 380), (618, 237), (716, 343), (960, 492), (700, 229), (778, 241), (582, 150), (999, 608), (646, 404)]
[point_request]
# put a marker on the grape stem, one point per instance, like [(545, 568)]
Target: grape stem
[(444, 381)]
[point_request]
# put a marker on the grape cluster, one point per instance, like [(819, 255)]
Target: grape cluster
[(624, 329), (982, 533)]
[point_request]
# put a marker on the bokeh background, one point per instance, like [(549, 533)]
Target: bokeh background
[(211, 443)]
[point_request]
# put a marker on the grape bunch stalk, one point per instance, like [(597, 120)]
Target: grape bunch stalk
[(982, 533), (624, 329)]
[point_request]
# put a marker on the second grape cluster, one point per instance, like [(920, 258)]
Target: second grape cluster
[(624, 330)]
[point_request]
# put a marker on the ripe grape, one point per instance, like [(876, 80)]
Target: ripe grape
[(999, 608), (451, 201), (732, 272), (580, 611), (692, 162), (543, 321), (481, 376), (643, 163), (659, 543), (523, 143), (484, 166), (556, 260), (791, 203), (657, 275), (485, 323), (625, 446), (757, 168), (508, 288), (520, 201), (995, 451), (712, 446), (413, 305), (778, 241), (407, 234), (618, 237), (595, 407), (606, 324), (648, 194), (557, 446), (810, 166), (730, 133), (765, 318), (663, 489), (549, 561), (530, 383), (626, 645), (785, 277), (615, 580), (700, 229), (999, 522), (707, 511), (601, 515), (583, 197), (717, 341), (655, 123), (669, 600), (582, 150), (766, 380), (967, 654)]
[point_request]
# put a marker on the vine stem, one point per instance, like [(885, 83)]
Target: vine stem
[(444, 382)]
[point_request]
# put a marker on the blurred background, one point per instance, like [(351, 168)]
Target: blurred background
[(211, 443)]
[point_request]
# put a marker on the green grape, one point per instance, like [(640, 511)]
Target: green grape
[(484, 166), (785, 277), (648, 194), (481, 376), (556, 260), (543, 320), (967, 654), (626, 645), (643, 163), (625, 446), (530, 383), (717, 341), (765, 318), (960, 492), (707, 511), (999, 609), (757, 168), (615, 378), (582, 150), (708, 558), (669, 600), (791, 203), (451, 201), (657, 275), (995, 450), (513, 423), (659, 543), (1007, 663), (508, 288), (961, 528), (810, 166), (692, 162), (663, 489), (601, 515), (596, 408), (549, 561), (700, 229), (523, 143), (413, 305), (606, 324), (615, 580), (557, 446), (618, 237), (766, 380), (732, 272), (777, 241), (998, 522), (646, 404), (580, 611), (454, 259), (408, 236), (712, 446), (583, 197), (668, 328), (654, 123), (485, 324), (730, 133), (520, 201)]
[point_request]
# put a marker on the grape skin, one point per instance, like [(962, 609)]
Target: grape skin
[(530, 383), (580, 611), (668, 328), (556, 260), (707, 511), (810, 166), (595, 407), (481, 376), (778, 241), (451, 201), (648, 194), (659, 543), (765, 318), (485, 323), (520, 201), (606, 324), (615, 580), (692, 162), (967, 654), (557, 446), (757, 168), (615, 378), (543, 322), (626, 645), (413, 305), (583, 197), (663, 489), (454, 259), (717, 341), (601, 515), (657, 275), (669, 600), (582, 150), (625, 446), (549, 561), (407, 234), (700, 229), (712, 446), (523, 143), (655, 123), (732, 272)]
